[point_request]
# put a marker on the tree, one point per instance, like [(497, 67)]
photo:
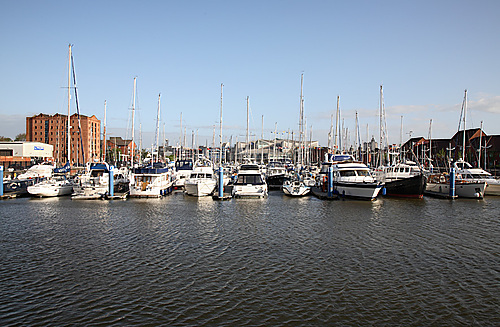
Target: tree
[(21, 137), (5, 139)]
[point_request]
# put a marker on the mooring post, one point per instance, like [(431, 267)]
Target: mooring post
[(221, 182), (1, 180), (452, 182), (330, 182), (111, 182)]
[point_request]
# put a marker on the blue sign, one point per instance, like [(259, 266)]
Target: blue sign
[(39, 148)]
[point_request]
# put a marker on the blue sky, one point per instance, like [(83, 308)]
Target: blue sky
[(425, 53)]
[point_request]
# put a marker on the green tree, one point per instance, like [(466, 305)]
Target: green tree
[(5, 139), (21, 137)]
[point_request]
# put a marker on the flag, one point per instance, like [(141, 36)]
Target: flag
[(477, 134)]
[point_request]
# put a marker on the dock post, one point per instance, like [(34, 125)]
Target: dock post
[(452, 182), (111, 182), (221, 182), (1, 180), (330, 181)]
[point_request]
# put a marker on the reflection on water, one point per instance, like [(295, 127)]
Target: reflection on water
[(184, 260)]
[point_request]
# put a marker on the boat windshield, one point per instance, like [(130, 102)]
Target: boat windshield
[(254, 179)]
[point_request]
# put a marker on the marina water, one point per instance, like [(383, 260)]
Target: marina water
[(184, 261)]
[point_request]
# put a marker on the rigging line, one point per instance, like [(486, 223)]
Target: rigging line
[(77, 108)]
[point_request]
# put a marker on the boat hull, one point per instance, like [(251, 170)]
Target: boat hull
[(412, 187), (462, 190), (249, 191), (275, 182), (362, 191), (296, 190), (201, 188), (50, 191)]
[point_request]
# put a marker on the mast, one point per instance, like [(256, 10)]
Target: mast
[(465, 114), (380, 128), (247, 140), (133, 126), (337, 116), (104, 144), (180, 140), (157, 133), (274, 147), (301, 119), (262, 138), (480, 140), (430, 142), (220, 122), (69, 99), (356, 136)]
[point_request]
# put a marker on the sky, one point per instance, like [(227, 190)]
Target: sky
[(424, 53)]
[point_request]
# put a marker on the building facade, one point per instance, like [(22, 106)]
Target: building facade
[(119, 150), (21, 155), (85, 144)]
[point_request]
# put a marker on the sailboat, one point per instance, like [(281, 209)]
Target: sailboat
[(439, 184), (154, 179), (58, 184)]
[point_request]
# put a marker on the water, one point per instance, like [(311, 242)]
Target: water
[(182, 261)]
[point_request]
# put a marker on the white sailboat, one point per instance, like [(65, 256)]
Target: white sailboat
[(58, 184)]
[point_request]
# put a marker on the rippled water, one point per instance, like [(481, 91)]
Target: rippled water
[(279, 261)]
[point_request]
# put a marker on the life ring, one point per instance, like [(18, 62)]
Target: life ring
[(14, 186)]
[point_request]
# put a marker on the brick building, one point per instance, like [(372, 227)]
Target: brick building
[(119, 150), (52, 130)]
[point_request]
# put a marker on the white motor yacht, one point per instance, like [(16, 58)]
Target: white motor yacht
[(154, 180), (466, 172), (53, 186), (350, 178), (295, 188), (250, 182), (201, 181)]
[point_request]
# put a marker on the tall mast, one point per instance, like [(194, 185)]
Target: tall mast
[(380, 128), (274, 147), (104, 144), (430, 142), (465, 114), (337, 116), (180, 140), (157, 136), (220, 122), (133, 125), (480, 140), (356, 136), (247, 140), (68, 132), (301, 118), (262, 138)]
